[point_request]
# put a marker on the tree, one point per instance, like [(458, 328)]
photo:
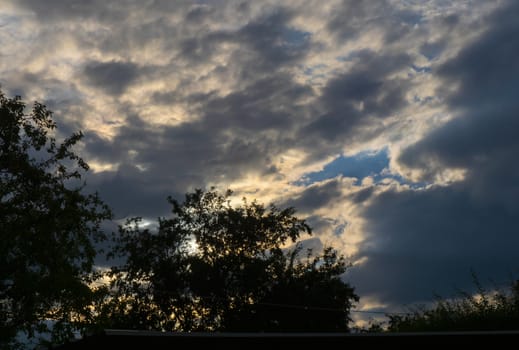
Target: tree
[(213, 266), (48, 226)]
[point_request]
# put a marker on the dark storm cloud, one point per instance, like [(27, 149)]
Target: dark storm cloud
[(130, 192), (351, 17), (362, 195), (63, 93), (474, 141), (492, 59), (273, 42), (360, 96), (428, 240), (264, 44), (244, 131), (273, 102), (165, 98), (62, 10), (236, 134), (113, 77), (172, 159), (316, 196), (199, 49), (483, 136), (432, 49)]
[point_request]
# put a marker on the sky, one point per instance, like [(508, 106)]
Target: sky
[(391, 126)]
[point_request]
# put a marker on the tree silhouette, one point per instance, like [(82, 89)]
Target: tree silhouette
[(47, 224), (214, 266)]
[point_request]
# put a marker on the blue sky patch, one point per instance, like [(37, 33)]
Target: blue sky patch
[(359, 166), (421, 69), (295, 37)]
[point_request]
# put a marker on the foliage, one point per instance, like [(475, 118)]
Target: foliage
[(213, 266), (496, 310), (48, 226)]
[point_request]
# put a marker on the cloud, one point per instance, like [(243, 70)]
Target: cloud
[(428, 240), (481, 139), (112, 77), (354, 104), (273, 41), (317, 196), (257, 95), (274, 102), (165, 160), (416, 236), (353, 18), (64, 10)]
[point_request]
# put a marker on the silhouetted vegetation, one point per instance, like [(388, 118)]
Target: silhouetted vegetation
[(48, 226), (214, 266), (486, 310), (210, 266)]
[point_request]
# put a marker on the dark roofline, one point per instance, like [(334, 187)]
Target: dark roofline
[(136, 339), (144, 333)]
